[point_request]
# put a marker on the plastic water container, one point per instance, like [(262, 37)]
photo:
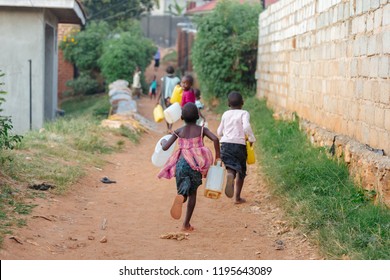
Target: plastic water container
[(214, 181), (251, 159), (160, 157), (177, 94), (158, 113), (172, 113)]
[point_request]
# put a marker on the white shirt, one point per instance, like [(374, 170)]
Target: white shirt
[(235, 126), (137, 80), (169, 85)]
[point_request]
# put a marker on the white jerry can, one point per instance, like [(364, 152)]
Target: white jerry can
[(214, 181)]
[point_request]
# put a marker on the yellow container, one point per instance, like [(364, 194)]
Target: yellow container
[(214, 181), (177, 94), (251, 159), (158, 113)]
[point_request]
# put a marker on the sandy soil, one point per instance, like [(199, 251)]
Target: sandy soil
[(125, 220)]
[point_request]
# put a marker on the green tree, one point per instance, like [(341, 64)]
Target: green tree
[(122, 53), (84, 48), (7, 140), (114, 11), (175, 9), (225, 49)]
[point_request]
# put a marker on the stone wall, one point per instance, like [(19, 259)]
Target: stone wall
[(328, 61)]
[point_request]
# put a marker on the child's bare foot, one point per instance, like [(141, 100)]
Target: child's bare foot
[(229, 189), (189, 228), (176, 207), (239, 201)]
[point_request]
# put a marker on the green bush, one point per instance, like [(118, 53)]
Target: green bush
[(7, 140), (83, 85), (225, 49), (123, 53), (84, 48)]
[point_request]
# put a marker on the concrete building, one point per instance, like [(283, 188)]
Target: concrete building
[(29, 57)]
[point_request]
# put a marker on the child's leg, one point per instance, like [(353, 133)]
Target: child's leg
[(239, 185), (229, 188), (176, 206), (190, 209)]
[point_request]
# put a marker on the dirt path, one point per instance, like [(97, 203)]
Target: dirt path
[(135, 213)]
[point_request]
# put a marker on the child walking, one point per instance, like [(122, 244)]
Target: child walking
[(153, 88), (234, 129), (188, 93), (200, 105), (189, 163)]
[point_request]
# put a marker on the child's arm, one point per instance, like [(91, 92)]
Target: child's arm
[(220, 128), (215, 139), (166, 144), (247, 128)]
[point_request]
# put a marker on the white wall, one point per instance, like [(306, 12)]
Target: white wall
[(22, 38)]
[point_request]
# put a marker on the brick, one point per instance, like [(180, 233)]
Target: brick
[(373, 138), (365, 133), (369, 111), (359, 6), (379, 117), (366, 5), (386, 15), (359, 89), (365, 69), (374, 4), (387, 119), (363, 44), (374, 67), (386, 42), (383, 70), (372, 47), (370, 22), (384, 88), (378, 18), (367, 90)]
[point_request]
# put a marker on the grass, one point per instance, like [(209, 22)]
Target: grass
[(58, 154), (318, 192)]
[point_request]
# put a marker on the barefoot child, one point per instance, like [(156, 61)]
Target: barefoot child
[(189, 163), (234, 129)]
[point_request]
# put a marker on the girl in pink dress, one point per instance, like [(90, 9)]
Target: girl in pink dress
[(188, 92), (189, 163)]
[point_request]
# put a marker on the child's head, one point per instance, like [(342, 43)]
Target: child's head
[(170, 69), (190, 113), (154, 77), (186, 82), (197, 93), (235, 100)]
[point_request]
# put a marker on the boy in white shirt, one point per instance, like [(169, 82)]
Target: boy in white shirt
[(234, 129)]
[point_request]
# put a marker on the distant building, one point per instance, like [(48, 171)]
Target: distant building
[(29, 57)]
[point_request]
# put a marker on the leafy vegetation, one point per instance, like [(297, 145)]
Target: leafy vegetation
[(101, 52), (7, 139), (317, 191), (122, 53), (225, 50)]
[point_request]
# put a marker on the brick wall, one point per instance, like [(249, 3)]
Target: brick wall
[(65, 68), (328, 61)]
